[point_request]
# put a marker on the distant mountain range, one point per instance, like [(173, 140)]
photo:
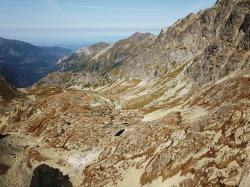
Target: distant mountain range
[(23, 64)]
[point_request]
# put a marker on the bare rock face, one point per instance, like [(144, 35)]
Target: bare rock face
[(79, 60), (103, 64), (212, 44), (167, 110)]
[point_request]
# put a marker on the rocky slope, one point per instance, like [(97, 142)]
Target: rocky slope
[(167, 110), (212, 41), (24, 64), (96, 67)]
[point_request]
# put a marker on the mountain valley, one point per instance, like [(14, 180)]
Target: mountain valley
[(166, 110), (24, 64)]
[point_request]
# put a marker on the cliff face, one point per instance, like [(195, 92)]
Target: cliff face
[(167, 110)]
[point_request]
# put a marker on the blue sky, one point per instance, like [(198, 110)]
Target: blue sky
[(55, 21)]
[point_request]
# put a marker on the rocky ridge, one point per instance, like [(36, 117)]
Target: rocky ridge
[(219, 34)]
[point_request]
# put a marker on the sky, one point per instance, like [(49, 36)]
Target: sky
[(50, 22)]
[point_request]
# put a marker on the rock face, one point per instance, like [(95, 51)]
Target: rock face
[(24, 64), (96, 67), (167, 110), (79, 60), (213, 44)]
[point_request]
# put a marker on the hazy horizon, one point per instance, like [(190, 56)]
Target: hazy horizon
[(64, 22), (75, 37)]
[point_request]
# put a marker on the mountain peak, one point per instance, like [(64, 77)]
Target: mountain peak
[(138, 36)]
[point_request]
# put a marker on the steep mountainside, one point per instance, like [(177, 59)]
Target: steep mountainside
[(167, 110), (7, 91), (210, 44), (24, 64), (100, 66), (79, 60)]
